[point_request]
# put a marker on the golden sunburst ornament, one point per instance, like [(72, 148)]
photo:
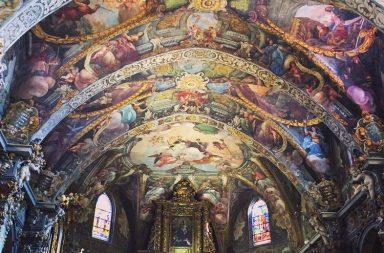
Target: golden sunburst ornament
[(208, 5), (192, 81)]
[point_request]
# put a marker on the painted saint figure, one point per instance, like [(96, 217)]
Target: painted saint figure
[(76, 12), (316, 150), (41, 66)]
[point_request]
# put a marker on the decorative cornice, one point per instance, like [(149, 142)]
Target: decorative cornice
[(21, 149)]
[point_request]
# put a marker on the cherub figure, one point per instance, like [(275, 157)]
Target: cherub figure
[(365, 181)]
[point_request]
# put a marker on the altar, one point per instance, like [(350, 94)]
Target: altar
[(182, 223)]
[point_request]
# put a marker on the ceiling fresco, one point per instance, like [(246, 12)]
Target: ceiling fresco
[(255, 68), (57, 80), (205, 148), (244, 98), (58, 74)]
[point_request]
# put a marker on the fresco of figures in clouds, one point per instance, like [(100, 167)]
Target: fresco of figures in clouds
[(205, 148), (48, 82)]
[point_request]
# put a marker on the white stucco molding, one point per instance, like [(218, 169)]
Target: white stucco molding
[(31, 13)]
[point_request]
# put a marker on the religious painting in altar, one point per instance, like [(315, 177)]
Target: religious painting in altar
[(181, 231)]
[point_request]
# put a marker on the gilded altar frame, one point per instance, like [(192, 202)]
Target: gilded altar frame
[(183, 206)]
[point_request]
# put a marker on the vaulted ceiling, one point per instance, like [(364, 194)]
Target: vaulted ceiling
[(209, 90)]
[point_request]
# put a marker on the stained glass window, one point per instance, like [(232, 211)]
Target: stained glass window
[(258, 220), (103, 217)]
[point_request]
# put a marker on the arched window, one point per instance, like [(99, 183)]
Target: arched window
[(103, 218), (258, 220)]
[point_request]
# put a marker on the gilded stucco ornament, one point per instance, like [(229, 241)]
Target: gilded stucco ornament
[(189, 81), (11, 195), (8, 7), (369, 132), (183, 191), (326, 194), (36, 233), (208, 5), (21, 120)]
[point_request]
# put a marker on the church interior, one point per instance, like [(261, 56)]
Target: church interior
[(191, 126)]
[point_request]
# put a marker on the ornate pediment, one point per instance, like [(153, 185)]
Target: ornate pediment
[(184, 191)]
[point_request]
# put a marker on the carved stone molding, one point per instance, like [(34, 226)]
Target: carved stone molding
[(371, 10), (3, 67), (26, 17)]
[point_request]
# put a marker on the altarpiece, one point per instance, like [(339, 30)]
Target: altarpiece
[(182, 223)]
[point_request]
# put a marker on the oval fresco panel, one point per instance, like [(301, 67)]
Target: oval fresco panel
[(205, 148)]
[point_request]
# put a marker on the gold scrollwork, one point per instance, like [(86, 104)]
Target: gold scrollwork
[(94, 46), (368, 35), (298, 45), (134, 97), (106, 113), (265, 114), (183, 208), (40, 33)]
